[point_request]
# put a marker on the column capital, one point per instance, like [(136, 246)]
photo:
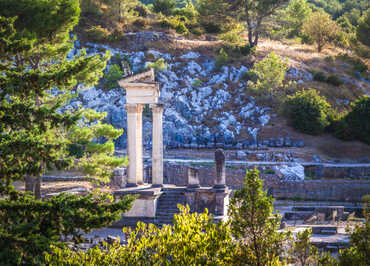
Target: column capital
[(157, 107), (134, 108)]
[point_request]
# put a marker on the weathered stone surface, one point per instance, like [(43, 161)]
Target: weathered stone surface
[(291, 172), (220, 167)]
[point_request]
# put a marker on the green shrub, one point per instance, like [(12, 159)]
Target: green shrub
[(97, 33), (140, 22), (359, 66), (197, 83), (196, 30), (189, 11), (176, 23), (334, 80), (308, 112), (270, 72), (158, 65), (211, 27), (355, 125), (166, 7), (231, 37), (114, 73), (319, 76), (221, 59), (116, 36), (142, 10)]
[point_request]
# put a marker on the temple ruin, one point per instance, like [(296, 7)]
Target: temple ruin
[(156, 202)]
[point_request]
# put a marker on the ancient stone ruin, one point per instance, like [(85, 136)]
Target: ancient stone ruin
[(158, 202)]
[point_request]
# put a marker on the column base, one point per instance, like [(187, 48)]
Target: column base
[(220, 187), (131, 185)]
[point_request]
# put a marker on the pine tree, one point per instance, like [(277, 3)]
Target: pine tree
[(254, 224), (37, 82)]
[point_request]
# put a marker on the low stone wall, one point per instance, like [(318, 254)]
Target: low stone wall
[(320, 190)]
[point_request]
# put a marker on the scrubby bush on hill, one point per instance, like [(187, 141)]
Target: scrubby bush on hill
[(330, 79), (322, 29), (114, 73), (98, 33), (221, 59), (308, 112), (355, 125), (157, 65), (166, 7), (270, 73)]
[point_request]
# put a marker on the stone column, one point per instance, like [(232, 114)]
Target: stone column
[(220, 165), (157, 145), (134, 144)]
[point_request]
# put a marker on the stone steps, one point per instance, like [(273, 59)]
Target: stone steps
[(167, 206)]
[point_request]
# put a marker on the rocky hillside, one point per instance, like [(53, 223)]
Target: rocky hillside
[(205, 105)]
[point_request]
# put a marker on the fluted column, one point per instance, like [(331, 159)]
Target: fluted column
[(157, 145), (134, 144)]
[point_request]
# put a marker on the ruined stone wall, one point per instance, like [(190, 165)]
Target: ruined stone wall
[(321, 189)]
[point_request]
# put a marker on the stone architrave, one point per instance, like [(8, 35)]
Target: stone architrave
[(157, 145), (220, 167), (135, 145)]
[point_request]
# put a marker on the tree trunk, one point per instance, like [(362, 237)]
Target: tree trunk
[(29, 184), (33, 185)]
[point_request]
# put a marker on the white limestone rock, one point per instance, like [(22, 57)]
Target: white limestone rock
[(190, 55), (291, 172)]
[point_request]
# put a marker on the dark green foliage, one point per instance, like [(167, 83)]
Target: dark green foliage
[(28, 227), (176, 23), (355, 125), (97, 33), (212, 27), (254, 224), (308, 112), (221, 59), (166, 7), (240, 50), (142, 10), (359, 251), (334, 80), (114, 73), (363, 29), (35, 136), (140, 22), (330, 79), (253, 13)]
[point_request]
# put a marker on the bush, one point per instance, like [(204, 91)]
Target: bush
[(116, 36), (319, 76), (231, 37), (97, 33), (189, 11), (142, 10), (270, 72), (334, 80), (158, 65), (221, 59), (140, 22), (308, 112), (166, 7), (211, 27), (114, 73), (176, 23), (355, 125)]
